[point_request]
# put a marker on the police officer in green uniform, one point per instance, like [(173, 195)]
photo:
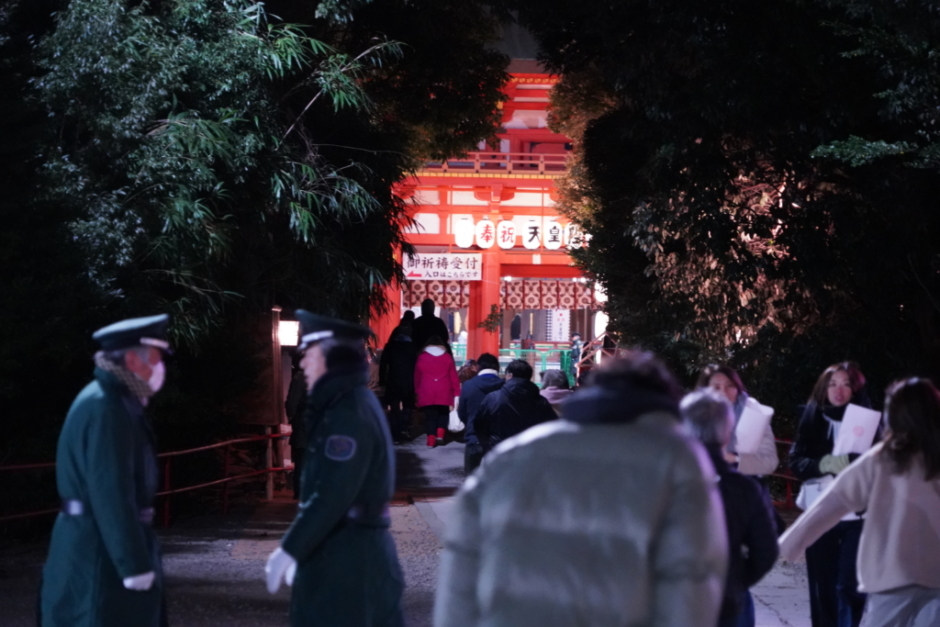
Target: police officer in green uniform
[(103, 568), (338, 554)]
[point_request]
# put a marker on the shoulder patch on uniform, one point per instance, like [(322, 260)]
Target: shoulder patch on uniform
[(340, 448)]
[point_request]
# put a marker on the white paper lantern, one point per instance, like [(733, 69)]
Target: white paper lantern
[(554, 233), (506, 234), (532, 234), (463, 233), (485, 233), (574, 238)]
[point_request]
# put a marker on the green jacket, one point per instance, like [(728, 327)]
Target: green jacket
[(105, 460), (348, 572)]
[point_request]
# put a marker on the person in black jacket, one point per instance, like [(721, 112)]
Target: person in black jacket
[(427, 325), (397, 376), (834, 598), (407, 320), (752, 533), (515, 407), (472, 393)]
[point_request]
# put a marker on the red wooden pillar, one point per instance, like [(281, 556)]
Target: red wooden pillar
[(483, 295), (384, 323)]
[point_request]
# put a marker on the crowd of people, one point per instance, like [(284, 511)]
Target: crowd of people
[(623, 502), (641, 506), (590, 493)]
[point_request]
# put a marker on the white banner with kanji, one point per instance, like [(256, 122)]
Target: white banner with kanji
[(444, 266)]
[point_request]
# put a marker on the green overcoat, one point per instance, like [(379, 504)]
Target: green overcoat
[(105, 460), (348, 573)]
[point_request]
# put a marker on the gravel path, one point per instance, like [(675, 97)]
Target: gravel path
[(214, 569)]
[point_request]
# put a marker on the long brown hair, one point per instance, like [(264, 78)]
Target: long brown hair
[(913, 412), (856, 380)]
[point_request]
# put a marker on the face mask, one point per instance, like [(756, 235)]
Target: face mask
[(157, 375)]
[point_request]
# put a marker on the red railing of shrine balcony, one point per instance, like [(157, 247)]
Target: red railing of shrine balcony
[(508, 162)]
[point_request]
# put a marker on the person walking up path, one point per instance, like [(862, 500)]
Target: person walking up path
[(436, 388), (472, 393), (610, 516), (427, 325), (397, 376), (512, 409)]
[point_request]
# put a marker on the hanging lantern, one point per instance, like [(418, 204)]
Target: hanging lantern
[(573, 236), (486, 233), (463, 232), (506, 234), (532, 235), (553, 234)]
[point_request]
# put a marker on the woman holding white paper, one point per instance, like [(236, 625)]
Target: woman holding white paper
[(761, 461), (897, 483), (830, 561)]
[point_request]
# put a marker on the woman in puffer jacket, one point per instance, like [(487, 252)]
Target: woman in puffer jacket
[(609, 516), (436, 387)]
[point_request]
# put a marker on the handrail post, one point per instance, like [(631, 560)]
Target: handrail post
[(167, 487), (268, 465), (225, 476)]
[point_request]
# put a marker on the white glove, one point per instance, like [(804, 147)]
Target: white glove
[(139, 582), (280, 566)]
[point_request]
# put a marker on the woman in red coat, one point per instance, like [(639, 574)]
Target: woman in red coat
[(436, 386)]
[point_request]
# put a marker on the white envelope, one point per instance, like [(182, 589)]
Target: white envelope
[(751, 427), (857, 432)]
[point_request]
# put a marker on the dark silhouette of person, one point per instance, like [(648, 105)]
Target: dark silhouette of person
[(511, 409), (515, 328), (407, 320), (427, 325), (397, 376), (294, 406)]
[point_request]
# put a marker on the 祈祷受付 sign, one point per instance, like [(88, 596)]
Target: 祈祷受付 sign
[(444, 266)]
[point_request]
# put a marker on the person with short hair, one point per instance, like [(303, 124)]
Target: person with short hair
[(749, 519), (897, 484), (436, 388), (830, 561), (338, 553), (512, 409), (555, 388), (609, 516), (104, 565), (472, 393), (427, 325)]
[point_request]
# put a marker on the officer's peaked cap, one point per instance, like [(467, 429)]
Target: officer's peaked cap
[(148, 331), (314, 328)]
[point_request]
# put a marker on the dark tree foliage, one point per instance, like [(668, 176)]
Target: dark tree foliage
[(737, 214), (210, 159)]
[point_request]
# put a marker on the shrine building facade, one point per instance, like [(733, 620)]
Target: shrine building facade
[(491, 249)]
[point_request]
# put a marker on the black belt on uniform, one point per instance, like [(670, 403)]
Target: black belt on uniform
[(73, 507), (366, 514)]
